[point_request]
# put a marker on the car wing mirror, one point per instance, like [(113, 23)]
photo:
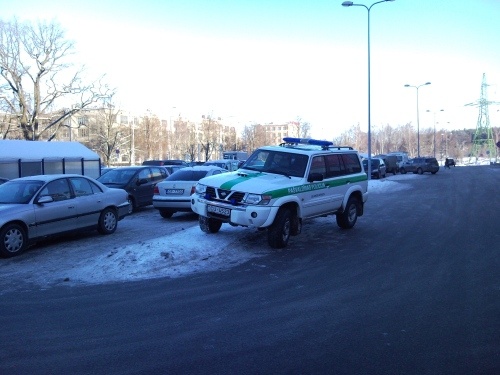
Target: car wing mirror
[(44, 199), (315, 177), (141, 181)]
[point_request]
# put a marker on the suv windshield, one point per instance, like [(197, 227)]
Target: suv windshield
[(287, 163)]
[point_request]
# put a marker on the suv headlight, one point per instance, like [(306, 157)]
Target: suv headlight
[(200, 189), (258, 199)]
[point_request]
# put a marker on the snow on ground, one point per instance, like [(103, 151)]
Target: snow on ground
[(174, 255), (182, 253), (185, 252)]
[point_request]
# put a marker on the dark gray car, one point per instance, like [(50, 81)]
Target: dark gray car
[(378, 167), (420, 166), (139, 182)]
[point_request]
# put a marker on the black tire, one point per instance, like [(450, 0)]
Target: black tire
[(132, 205), (296, 226), (166, 214), (420, 171), (278, 233), (349, 216), (13, 240), (209, 225), (403, 171), (108, 221)]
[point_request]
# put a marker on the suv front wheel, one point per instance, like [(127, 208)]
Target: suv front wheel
[(278, 233), (349, 216), (209, 225)]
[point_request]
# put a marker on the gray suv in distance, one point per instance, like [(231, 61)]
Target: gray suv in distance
[(420, 166)]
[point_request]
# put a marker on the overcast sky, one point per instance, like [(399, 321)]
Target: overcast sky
[(275, 60)]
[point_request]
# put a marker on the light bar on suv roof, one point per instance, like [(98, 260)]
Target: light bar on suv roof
[(308, 141)]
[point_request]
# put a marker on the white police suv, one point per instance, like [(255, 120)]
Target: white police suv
[(279, 187)]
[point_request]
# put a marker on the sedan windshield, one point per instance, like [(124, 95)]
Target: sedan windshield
[(19, 191), (117, 176)]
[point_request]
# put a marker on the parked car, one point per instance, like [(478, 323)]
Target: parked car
[(391, 163), (138, 181), (228, 164), (166, 162), (420, 165), (193, 163), (106, 169), (173, 168), (3, 180), (39, 206), (174, 193), (378, 167), (449, 162)]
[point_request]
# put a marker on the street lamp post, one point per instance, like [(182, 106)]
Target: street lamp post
[(349, 4), (418, 121), (434, 141)]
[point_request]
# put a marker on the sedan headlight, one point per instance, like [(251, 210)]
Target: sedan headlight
[(258, 199), (200, 189)]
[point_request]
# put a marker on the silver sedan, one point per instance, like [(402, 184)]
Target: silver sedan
[(174, 193), (39, 206)]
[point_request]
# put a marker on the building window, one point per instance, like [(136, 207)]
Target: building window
[(123, 119), (82, 120), (83, 132)]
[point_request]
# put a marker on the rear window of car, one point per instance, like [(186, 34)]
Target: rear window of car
[(186, 175)]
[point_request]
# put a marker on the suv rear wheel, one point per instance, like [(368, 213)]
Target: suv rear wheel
[(349, 216)]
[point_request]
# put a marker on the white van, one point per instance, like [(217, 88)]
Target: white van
[(401, 155), (229, 164)]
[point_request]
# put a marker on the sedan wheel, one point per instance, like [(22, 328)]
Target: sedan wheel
[(166, 214), (131, 207), (108, 221), (13, 240)]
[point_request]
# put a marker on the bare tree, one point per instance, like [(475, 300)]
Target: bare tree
[(109, 135), (37, 78), (210, 136), (150, 137), (255, 136)]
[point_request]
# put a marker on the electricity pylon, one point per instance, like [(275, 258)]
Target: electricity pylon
[(483, 137)]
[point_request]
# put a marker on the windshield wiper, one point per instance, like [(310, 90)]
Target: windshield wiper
[(275, 171)]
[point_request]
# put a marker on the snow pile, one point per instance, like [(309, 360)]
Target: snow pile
[(175, 255)]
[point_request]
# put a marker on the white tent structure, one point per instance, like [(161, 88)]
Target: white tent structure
[(20, 158)]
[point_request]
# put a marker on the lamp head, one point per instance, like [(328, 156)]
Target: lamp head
[(427, 83), (407, 85), (347, 3)]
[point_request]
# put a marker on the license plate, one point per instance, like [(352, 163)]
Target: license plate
[(174, 191), (219, 210)]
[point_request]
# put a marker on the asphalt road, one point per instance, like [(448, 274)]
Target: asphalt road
[(414, 288)]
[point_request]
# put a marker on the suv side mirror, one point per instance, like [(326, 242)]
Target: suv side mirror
[(315, 177)]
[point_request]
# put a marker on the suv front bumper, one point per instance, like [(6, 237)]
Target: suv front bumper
[(248, 216)]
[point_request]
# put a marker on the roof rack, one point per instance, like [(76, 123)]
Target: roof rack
[(340, 148)]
